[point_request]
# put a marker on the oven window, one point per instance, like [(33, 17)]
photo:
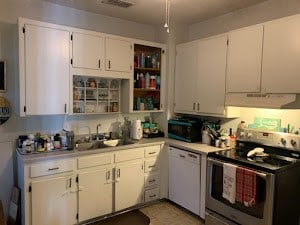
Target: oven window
[(217, 190)]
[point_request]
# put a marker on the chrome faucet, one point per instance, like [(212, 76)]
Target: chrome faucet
[(97, 130), (88, 138)]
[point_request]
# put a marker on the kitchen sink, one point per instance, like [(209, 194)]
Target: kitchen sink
[(94, 144)]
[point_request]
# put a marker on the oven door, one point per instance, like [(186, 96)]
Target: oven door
[(259, 214)]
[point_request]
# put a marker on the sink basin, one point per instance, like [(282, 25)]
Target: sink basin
[(102, 144)]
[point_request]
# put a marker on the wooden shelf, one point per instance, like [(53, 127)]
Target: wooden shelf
[(146, 90), (147, 69)]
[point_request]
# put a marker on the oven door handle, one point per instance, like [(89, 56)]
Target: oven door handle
[(263, 175)]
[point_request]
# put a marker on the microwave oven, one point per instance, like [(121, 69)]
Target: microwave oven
[(185, 130)]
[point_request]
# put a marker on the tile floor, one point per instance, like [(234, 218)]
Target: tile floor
[(166, 213)]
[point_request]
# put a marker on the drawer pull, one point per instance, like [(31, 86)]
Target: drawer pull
[(182, 156), (151, 181), (151, 153), (152, 196), (192, 156), (152, 166), (55, 168)]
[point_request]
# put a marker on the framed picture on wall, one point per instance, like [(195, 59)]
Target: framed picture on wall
[(2, 76)]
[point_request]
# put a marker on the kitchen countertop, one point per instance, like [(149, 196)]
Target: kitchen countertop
[(194, 147)]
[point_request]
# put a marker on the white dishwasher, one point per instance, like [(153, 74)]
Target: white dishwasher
[(184, 179)]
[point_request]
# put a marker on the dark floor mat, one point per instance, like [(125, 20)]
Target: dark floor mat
[(135, 217)]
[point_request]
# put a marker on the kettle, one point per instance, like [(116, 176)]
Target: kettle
[(136, 130)]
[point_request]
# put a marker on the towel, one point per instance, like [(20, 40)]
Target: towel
[(229, 182), (246, 186)]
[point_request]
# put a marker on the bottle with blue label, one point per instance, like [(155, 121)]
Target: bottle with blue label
[(143, 60), (158, 82)]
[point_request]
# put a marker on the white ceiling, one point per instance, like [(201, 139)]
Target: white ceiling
[(153, 11)]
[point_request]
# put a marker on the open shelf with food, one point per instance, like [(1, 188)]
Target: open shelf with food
[(94, 95)]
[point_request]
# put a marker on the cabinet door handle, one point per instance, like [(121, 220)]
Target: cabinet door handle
[(194, 106), (108, 64), (99, 64), (151, 153), (65, 108), (118, 173), (107, 175), (54, 168), (70, 182), (198, 106)]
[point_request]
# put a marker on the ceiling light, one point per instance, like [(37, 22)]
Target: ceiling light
[(167, 19)]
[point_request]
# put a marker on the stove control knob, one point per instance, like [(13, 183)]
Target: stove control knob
[(283, 141), (293, 143), (242, 134)]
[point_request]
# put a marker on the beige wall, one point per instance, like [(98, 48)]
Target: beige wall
[(268, 10)]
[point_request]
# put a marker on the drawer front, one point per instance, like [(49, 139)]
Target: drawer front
[(151, 165), (152, 151), (95, 160), (151, 194), (151, 180), (51, 167), (131, 154)]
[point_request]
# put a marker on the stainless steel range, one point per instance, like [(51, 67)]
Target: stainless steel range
[(257, 182)]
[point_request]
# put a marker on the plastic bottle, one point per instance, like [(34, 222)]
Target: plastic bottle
[(142, 81), (143, 60), (158, 82), (152, 82), (147, 80)]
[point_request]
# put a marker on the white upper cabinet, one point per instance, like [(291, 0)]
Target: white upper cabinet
[(244, 60), (186, 73), (88, 51), (44, 69), (98, 54), (119, 55), (281, 53), (211, 75), (200, 76)]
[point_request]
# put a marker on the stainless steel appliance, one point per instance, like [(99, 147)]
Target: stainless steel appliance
[(274, 158)]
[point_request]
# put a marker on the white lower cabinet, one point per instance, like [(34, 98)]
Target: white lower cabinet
[(53, 201), (151, 173), (95, 194), (129, 183), (73, 190)]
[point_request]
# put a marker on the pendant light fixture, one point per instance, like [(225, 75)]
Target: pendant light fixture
[(167, 19)]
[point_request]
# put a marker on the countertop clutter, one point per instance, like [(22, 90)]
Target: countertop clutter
[(197, 147)]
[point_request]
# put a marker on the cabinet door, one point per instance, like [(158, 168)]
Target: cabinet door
[(53, 201), (186, 73), (211, 75), (129, 185), (88, 51), (95, 194), (244, 59), (119, 55), (46, 70), (281, 53)]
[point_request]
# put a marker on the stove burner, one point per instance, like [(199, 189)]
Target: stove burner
[(270, 159)]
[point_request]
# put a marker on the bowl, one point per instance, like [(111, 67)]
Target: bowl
[(111, 143)]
